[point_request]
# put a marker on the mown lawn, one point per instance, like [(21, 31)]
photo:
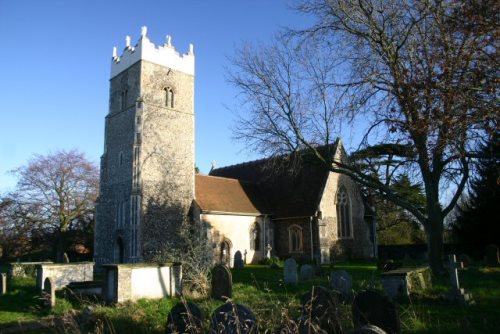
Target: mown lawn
[(262, 289)]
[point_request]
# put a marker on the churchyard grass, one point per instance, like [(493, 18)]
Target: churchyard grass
[(262, 289)]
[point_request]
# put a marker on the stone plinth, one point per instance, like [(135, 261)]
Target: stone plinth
[(404, 281), (24, 269), (123, 282)]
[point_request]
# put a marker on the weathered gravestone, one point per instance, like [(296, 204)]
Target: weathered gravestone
[(290, 271), (456, 293), (491, 253), (238, 260), (3, 284), (319, 312), (341, 281), (222, 283), (465, 259), (49, 291), (306, 272), (372, 308), (185, 317), (233, 319)]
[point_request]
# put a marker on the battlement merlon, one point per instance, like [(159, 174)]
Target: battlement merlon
[(164, 55)]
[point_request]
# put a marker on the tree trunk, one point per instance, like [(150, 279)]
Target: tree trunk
[(434, 230)]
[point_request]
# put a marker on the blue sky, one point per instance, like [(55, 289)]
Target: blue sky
[(55, 61)]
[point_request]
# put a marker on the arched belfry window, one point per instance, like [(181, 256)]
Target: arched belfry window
[(169, 97), (343, 213), (123, 99), (255, 237), (295, 239)]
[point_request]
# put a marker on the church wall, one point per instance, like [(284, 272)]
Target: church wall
[(282, 238), (236, 229), (331, 245)]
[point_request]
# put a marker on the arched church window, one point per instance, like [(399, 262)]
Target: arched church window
[(295, 239), (343, 214), (123, 99), (255, 237), (169, 97)]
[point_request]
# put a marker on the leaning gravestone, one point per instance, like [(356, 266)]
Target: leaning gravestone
[(290, 271), (341, 281), (372, 308), (3, 284), (319, 311), (491, 253), (49, 290), (233, 319), (222, 283), (185, 317), (238, 260), (306, 272)]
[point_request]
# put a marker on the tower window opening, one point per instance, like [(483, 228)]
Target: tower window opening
[(124, 99), (169, 97)]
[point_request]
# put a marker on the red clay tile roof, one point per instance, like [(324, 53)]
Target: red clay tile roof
[(289, 191), (222, 194)]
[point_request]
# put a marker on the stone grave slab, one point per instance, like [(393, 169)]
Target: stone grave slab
[(290, 271), (306, 272), (341, 281), (319, 312), (222, 283), (185, 317), (372, 308), (233, 319)]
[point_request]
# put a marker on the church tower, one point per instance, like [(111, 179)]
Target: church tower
[(147, 168)]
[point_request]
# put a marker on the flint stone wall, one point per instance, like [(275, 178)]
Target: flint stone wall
[(123, 282), (64, 273)]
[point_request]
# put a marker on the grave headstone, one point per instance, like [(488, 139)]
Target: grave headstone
[(491, 253), (290, 271), (233, 319), (3, 284), (222, 283), (238, 260), (372, 308), (49, 290), (306, 272), (65, 258), (465, 259), (319, 312), (456, 293), (341, 281), (185, 317)]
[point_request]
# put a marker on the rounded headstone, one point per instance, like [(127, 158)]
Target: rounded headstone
[(306, 272), (233, 319), (238, 260), (290, 271), (184, 318), (341, 281), (372, 308), (319, 312), (222, 283)]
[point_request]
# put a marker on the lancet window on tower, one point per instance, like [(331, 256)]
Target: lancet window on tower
[(169, 97), (123, 99)]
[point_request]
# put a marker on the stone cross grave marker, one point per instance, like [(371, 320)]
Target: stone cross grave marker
[(341, 281), (3, 284), (238, 260), (372, 308), (492, 257), (456, 293), (49, 290), (222, 283), (185, 317), (290, 271), (319, 310), (306, 272), (233, 319)]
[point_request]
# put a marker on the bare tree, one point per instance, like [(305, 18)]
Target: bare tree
[(59, 189), (418, 77)]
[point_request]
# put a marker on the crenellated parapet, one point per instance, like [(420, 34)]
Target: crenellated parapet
[(164, 55)]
